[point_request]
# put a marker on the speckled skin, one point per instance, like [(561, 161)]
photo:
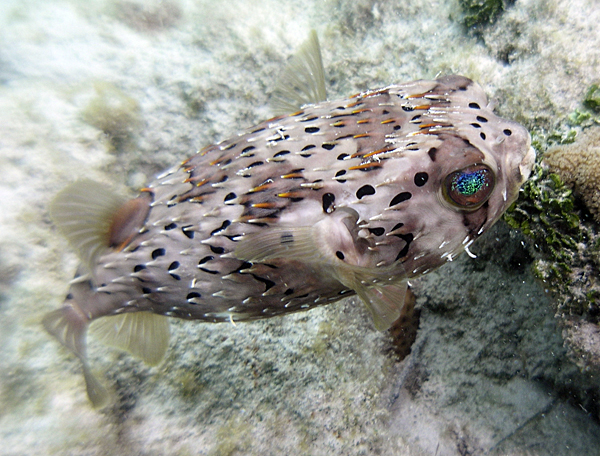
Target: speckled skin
[(382, 155)]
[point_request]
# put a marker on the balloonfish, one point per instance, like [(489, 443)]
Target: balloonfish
[(353, 196)]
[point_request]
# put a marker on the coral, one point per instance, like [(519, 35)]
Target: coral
[(578, 165)]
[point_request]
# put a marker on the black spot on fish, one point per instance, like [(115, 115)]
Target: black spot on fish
[(340, 255), (175, 276), (209, 271), (248, 149), (421, 179), (289, 291), (69, 296), (174, 265), (304, 149), (384, 112), (256, 163), (377, 231), (314, 182), (309, 118), (397, 226), (146, 290), (268, 283), (507, 132), (400, 197), (340, 173), (482, 119), (217, 250), (258, 130), (158, 253), (328, 146), (476, 125), (474, 106), (328, 200), (139, 267), (206, 259), (224, 225), (192, 295), (229, 197), (302, 296), (170, 226), (186, 230), (344, 292), (415, 118), (432, 153), (397, 127), (281, 153), (364, 191), (311, 129), (482, 135), (407, 108), (408, 238), (342, 156)]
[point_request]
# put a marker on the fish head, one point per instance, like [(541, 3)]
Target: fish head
[(458, 173)]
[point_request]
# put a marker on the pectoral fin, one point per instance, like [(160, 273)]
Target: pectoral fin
[(292, 243)]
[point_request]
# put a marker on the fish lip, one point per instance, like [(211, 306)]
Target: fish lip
[(527, 163)]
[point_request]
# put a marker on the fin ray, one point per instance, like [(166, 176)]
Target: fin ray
[(293, 242), (83, 213), (143, 334)]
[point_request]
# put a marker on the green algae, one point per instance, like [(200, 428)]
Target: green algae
[(592, 98), (479, 13)]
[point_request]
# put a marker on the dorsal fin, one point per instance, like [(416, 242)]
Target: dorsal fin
[(92, 218), (302, 81)]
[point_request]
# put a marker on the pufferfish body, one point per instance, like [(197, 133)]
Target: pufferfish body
[(353, 196)]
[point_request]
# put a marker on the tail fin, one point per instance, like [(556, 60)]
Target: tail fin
[(69, 326)]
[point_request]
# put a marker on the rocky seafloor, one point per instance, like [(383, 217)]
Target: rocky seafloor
[(117, 91)]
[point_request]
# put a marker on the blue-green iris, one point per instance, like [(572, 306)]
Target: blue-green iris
[(469, 183)]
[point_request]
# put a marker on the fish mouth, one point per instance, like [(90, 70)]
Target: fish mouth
[(527, 164)]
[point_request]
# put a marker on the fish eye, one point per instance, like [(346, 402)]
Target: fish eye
[(470, 187)]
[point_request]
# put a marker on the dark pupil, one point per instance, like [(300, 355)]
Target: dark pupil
[(468, 184)]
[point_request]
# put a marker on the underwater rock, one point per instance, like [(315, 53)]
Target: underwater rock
[(578, 165)]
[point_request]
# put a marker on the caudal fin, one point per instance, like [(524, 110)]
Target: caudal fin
[(69, 326)]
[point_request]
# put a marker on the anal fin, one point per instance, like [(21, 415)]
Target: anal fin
[(384, 302), (143, 334)]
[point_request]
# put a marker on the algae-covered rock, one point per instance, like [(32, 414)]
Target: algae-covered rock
[(478, 13)]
